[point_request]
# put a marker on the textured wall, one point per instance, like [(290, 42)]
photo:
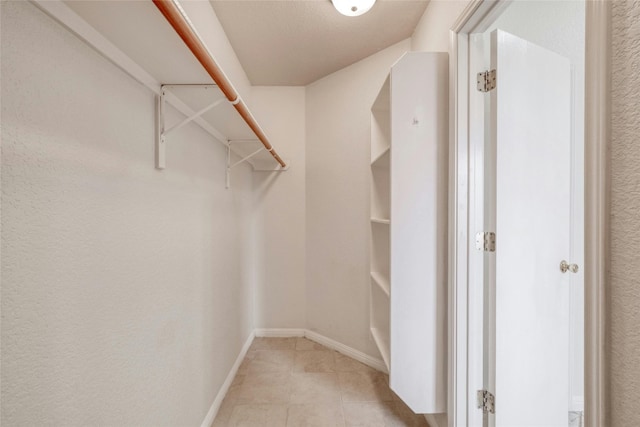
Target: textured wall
[(338, 161), (125, 293), (432, 32), (625, 218), (280, 211)]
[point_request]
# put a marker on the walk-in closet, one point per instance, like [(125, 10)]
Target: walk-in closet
[(317, 213)]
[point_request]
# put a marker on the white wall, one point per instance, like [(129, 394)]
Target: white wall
[(624, 286), (337, 183), (125, 293), (279, 198), (432, 32), (280, 211)]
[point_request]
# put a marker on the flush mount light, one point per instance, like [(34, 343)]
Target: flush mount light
[(353, 7)]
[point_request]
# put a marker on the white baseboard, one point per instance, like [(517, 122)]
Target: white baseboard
[(347, 351), (287, 333), (280, 333), (327, 342), (215, 406)]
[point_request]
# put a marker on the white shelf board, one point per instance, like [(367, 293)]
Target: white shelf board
[(383, 160), (382, 282), (383, 346), (381, 221), (120, 24)]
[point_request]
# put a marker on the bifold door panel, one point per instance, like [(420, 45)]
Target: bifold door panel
[(409, 146)]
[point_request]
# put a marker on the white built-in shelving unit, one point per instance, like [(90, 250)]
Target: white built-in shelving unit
[(409, 140)]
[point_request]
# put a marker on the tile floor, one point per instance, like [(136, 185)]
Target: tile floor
[(297, 382)]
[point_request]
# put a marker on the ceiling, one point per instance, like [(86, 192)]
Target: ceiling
[(296, 42)]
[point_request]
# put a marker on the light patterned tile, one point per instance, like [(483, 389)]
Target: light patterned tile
[(347, 364), (261, 343), (265, 388), (314, 388), (395, 396), (238, 379), (364, 387), (244, 366), (382, 414), (258, 416), (304, 344), (234, 389), (267, 378), (224, 414), (576, 418), (315, 415), (368, 414), (271, 361), (279, 373), (400, 415), (250, 353), (314, 361), (263, 394)]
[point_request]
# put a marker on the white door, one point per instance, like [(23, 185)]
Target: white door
[(530, 122)]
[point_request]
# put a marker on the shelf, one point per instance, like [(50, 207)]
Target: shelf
[(215, 106), (382, 282), (381, 221), (409, 124), (383, 160), (383, 346), (380, 193)]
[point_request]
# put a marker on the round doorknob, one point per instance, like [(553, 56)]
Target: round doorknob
[(565, 266)]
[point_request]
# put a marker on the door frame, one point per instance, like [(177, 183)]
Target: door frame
[(464, 305)]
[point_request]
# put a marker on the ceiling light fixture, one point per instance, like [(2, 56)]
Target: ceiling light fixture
[(353, 7)]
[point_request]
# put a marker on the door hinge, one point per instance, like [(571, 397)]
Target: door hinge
[(487, 81), (486, 402), (486, 241)]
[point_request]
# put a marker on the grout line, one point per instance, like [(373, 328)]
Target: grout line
[(326, 342), (361, 357)]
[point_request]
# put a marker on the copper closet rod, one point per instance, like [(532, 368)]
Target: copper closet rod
[(181, 25)]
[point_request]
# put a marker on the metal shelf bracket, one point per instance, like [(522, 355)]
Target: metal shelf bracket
[(167, 96), (231, 166), (246, 158), (163, 132)]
